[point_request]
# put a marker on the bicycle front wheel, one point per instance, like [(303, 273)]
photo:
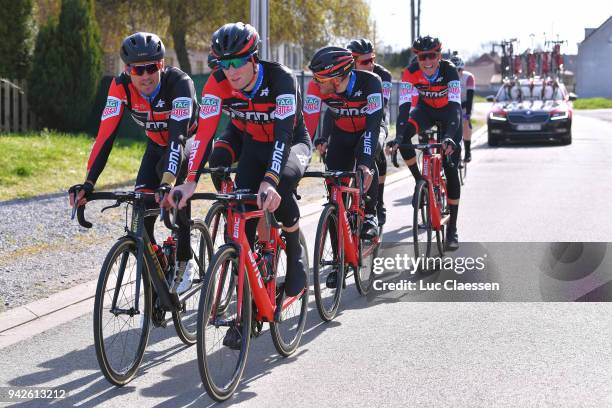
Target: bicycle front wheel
[(221, 366), (121, 332), (421, 223), (185, 320)]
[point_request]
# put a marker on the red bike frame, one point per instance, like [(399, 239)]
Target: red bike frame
[(431, 170), (264, 292)]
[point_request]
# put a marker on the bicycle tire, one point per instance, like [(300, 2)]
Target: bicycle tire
[(328, 216), (442, 205), (226, 255), (127, 246), (422, 197), (216, 228), (460, 170), (363, 282), (181, 318), (287, 346)]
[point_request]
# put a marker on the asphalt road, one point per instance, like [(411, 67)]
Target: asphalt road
[(396, 353)]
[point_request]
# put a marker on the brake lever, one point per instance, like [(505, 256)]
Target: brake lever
[(117, 204)]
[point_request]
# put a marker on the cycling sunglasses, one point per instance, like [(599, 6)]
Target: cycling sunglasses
[(427, 55), (321, 79), (365, 62), (233, 62), (139, 70)]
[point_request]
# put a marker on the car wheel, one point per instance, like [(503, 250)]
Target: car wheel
[(493, 141), (567, 139)]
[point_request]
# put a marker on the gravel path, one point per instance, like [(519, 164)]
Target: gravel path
[(42, 251)]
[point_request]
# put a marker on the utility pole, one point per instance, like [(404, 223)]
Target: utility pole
[(260, 20), (415, 19)]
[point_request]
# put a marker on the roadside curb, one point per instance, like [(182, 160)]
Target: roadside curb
[(36, 317)]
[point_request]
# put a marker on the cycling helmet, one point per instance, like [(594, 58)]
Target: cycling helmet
[(360, 46), (457, 61), (140, 47), (426, 44), (331, 62), (235, 40), (212, 61)]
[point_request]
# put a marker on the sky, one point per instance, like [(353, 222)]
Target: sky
[(466, 26)]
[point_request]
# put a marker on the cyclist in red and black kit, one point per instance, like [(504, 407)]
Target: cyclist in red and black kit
[(266, 134), (356, 101), (162, 101), (439, 100), (365, 59)]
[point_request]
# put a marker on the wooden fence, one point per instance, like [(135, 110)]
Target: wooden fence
[(15, 115)]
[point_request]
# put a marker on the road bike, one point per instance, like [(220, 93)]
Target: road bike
[(338, 245), (255, 297), (137, 287)]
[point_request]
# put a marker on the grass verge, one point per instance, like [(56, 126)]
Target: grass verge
[(45, 162), (593, 103)]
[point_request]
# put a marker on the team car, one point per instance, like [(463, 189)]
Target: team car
[(531, 109)]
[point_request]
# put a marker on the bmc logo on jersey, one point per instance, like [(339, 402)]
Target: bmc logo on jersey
[(210, 106), (312, 104), (112, 108), (181, 109), (285, 106), (374, 102)]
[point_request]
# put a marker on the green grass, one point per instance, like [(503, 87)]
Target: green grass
[(47, 162), (593, 103), (479, 99)]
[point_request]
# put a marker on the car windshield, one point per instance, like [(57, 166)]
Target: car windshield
[(530, 92)]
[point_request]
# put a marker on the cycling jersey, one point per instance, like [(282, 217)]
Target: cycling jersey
[(468, 85), (359, 109), (442, 91), (270, 113), (168, 118)]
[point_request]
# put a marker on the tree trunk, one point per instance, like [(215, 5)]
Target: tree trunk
[(180, 47)]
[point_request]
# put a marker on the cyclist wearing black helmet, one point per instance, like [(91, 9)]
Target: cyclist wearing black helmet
[(264, 103), (162, 101), (439, 100), (365, 59), (355, 98)]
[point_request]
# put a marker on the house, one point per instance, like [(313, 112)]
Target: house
[(487, 72), (593, 73)]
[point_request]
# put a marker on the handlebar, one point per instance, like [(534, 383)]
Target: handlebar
[(221, 171), (330, 173), (119, 196), (422, 146)]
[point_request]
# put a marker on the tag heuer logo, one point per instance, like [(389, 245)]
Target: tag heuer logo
[(210, 106), (285, 106), (312, 104)]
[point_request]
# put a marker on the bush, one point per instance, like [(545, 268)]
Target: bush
[(67, 68), (16, 44)]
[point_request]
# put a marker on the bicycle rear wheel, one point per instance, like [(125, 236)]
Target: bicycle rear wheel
[(440, 197), (287, 333), (421, 223), (364, 275), (185, 320), (221, 367), (121, 335), (216, 221), (461, 170), (328, 258)]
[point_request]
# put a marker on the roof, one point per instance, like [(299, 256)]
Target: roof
[(595, 30)]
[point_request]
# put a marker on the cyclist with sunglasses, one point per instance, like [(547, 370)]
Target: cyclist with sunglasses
[(437, 85), (468, 85), (162, 101), (356, 100), (266, 130)]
